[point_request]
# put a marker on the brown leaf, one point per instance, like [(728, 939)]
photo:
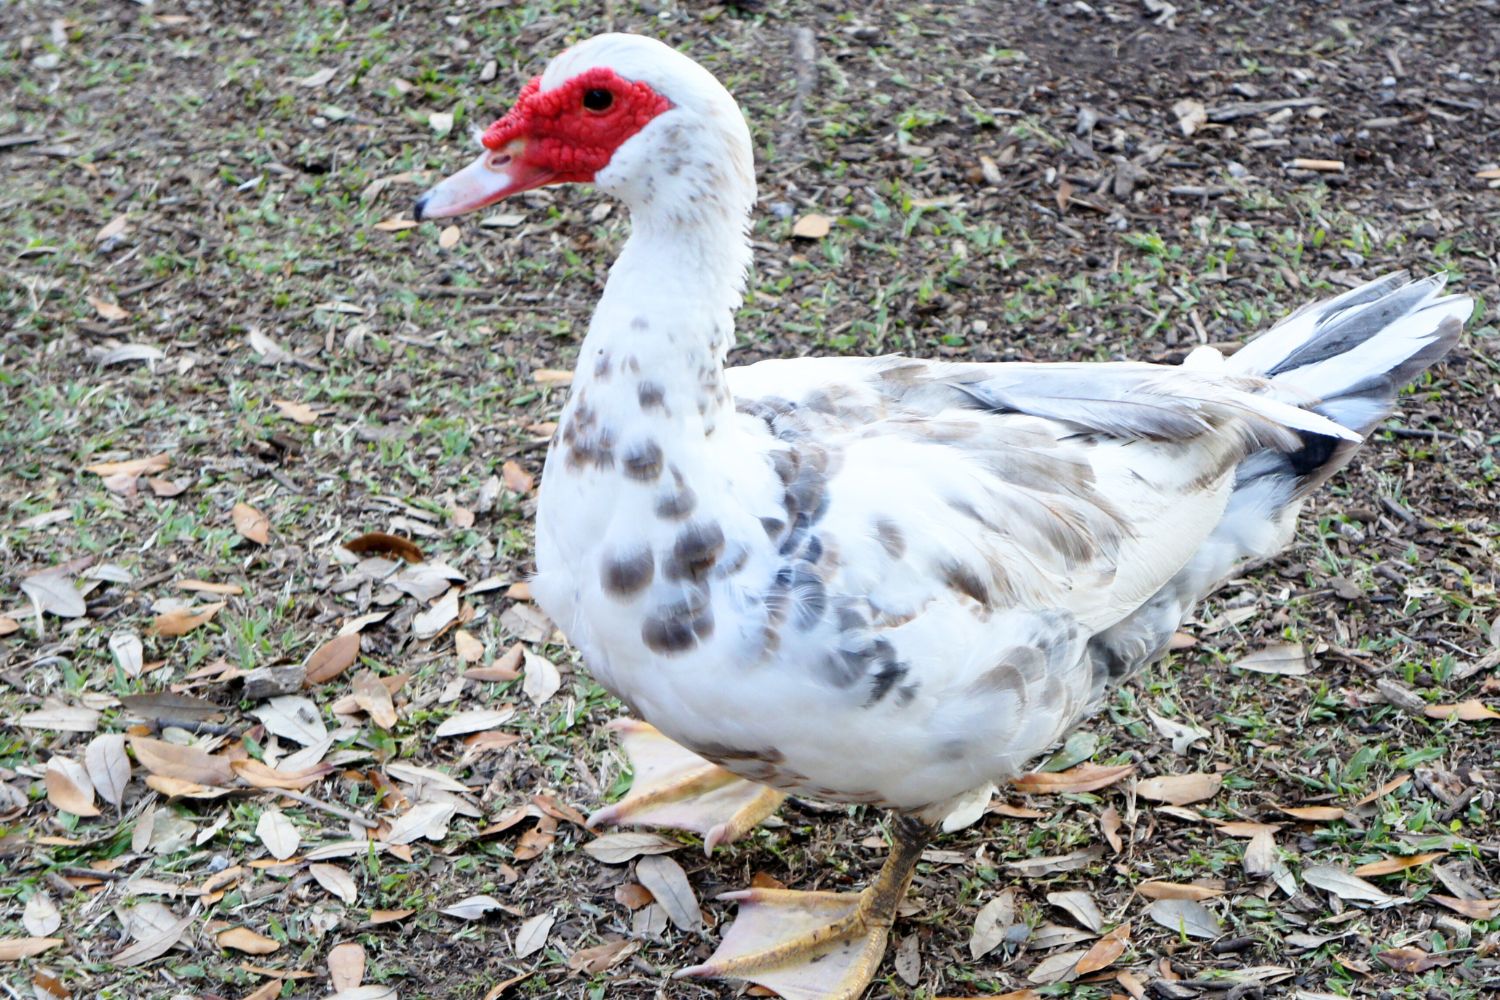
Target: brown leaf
[(1313, 814), (165, 488), (1176, 890), (336, 880), (260, 775), (602, 957), (468, 648), (268, 990), (153, 944), (182, 763), (8, 625), (516, 479), (66, 792), (396, 224), (448, 238), (245, 940), (299, 412), (209, 587), (113, 228), (332, 658), (1083, 778), (632, 895), (346, 965), (181, 621), (669, 884), (384, 544), (536, 840), (14, 949), (1384, 790), (1410, 959), (251, 523), (131, 467), (1109, 825), (1241, 828), (1397, 863), (1474, 909), (1180, 789), (812, 227), (552, 376), (622, 845), (1472, 710), (531, 936), (107, 310), (389, 916), (1104, 952), (374, 699)]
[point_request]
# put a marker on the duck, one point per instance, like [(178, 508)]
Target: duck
[(888, 581)]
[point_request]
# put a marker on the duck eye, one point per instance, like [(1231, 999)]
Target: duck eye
[(598, 99)]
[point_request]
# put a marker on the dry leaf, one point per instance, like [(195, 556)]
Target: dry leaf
[(426, 819), (1411, 959), (182, 763), (396, 224), (602, 957), (1104, 952), (1472, 710), (251, 523), (1083, 778), (552, 376), (1384, 790), (1176, 890), (40, 917), (107, 310), (181, 621), (1191, 115), (668, 883), (381, 543), (374, 699), (541, 680), (337, 882), (52, 592), (108, 767), (260, 775), (473, 907), (1313, 814), (298, 412), (531, 936), (69, 788), (128, 651), (62, 719), (448, 238), (618, 848), (154, 944), (1185, 916), (132, 467), (1474, 909), (245, 940), (1072, 861), (332, 658), (346, 965), (468, 648), (293, 717), (1344, 885), (1287, 659), (991, 924), (278, 834), (113, 228), (474, 721), (516, 479), (1260, 855), (1109, 825), (1399, 863), (389, 916), (1080, 906), (1180, 789), (812, 227), (14, 949), (438, 617)]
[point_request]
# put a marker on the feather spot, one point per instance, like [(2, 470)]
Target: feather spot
[(627, 574), (643, 463)]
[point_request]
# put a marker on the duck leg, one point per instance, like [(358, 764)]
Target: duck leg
[(817, 945), (674, 787)]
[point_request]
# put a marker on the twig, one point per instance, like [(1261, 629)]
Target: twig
[(195, 726), (80, 872), (1244, 109), (329, 807)]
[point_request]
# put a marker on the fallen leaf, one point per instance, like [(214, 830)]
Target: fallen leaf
[(1287, 659), (129, 653), (426, 819), (1260, 856), (541, 680), (293, 717), (1474, 909), (1472, 710), (251, 523), (182, 763), (1083, 778), (261, 775), (14, 949), (69, 788), (1411, 959), (1398, 863), (516, 479), (374, 698), (448, 238), (53, 592), (154, 944), (278, 833), (181, 621), (1191, 115), (1058, 863), (1185, 916), (62, 719), (474, 721), (436, 618), (531, 936), (1182, 736), (991, 924), (552, 376), (332, 658), (536, 840), (1056, 968), (248, 941), (389, 916), (618, 848), (441, 122), (40, 917), (8, 625), (318, 79), (1314, 814), (1177, 890), (602, 957), (1344, 885), (1383, 790), (668, 883), (1104, 952), (1080, 906), (473, 907), (107, 310), (1180, 789), (346, 965), (468, 648), (812, 227), (297, 412), (131, 467), (383, 543), (1241, 828), (111, 229), (396, 224), (336, 881), (1109, 825)]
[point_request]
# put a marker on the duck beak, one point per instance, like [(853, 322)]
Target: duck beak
[(496, 174)]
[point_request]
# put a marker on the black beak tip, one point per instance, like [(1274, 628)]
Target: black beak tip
[(418, 210)]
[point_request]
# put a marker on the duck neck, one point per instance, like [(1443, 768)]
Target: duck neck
[(655, 350)]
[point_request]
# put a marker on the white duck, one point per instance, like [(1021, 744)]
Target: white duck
[(880, 580)]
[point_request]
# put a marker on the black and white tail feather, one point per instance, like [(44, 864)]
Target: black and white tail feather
[(1345, 358)]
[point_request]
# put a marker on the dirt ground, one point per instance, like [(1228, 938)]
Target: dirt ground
[(202, 214)]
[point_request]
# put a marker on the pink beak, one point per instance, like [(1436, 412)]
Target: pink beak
[(496, 174)]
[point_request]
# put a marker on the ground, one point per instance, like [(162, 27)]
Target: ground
[(192, 230)]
